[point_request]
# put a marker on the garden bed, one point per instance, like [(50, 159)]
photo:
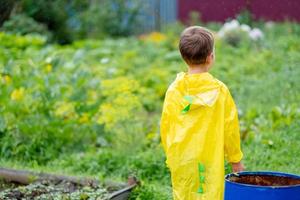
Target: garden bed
[(16, 184)]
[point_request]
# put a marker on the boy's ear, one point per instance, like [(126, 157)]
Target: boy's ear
[(212, 55), (210, 58)]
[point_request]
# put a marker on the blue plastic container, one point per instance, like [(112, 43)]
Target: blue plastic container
[(241, 191)]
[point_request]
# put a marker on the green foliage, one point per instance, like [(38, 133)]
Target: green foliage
[(194, 18), (70, 94), (274, 150), (118, 164), (235, 38), (70, 20), (109, 17), (12, 44), (22, 24), (151, 191), (52, 13), (245, 17)]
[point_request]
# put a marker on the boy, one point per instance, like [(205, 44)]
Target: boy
[(199, 123)]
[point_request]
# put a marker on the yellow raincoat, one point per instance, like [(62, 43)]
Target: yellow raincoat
[(199, 127)]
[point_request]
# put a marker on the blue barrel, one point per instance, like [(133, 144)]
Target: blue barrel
[(241, 191)]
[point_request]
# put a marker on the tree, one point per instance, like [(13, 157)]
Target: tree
[(6, 6)]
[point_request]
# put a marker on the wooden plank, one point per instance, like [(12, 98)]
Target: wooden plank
[(27, 177)]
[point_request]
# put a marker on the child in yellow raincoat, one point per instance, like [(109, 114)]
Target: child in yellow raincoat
[(199, 123)]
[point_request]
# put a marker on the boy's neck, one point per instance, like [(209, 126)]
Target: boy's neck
[(196, 69)]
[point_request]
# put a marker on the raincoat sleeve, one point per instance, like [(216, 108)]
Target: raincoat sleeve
[(233, 153)]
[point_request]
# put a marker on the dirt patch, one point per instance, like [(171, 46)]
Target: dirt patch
[(50, 190), (265, 180)]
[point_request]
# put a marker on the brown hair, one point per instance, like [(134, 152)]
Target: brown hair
[(196, 43)]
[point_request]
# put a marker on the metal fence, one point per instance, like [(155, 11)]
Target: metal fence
[(155, 14)]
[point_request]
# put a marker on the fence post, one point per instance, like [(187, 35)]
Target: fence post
[(157, 15)]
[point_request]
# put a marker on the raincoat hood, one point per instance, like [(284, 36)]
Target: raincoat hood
[(197, 90)]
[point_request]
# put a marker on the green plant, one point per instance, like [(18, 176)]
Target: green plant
[(53, 14), (245, 17), (22, 24), (194, 18), (109, 17)]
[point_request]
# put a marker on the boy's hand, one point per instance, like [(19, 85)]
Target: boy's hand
[(237, 167)]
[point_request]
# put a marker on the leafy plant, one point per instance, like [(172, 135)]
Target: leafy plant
[(109, 17), (22, 24)]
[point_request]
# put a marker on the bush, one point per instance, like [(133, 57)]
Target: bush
[(53, 14), (109, 18), (245, 17), (69, 20), (22, 24), (235, 33)]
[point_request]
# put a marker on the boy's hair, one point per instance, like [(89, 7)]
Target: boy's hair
[(196, 43)]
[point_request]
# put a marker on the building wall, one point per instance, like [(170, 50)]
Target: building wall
[(276, 10), (220, 10)]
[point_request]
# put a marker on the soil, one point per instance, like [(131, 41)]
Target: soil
[(50, 190), (265, 180)]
